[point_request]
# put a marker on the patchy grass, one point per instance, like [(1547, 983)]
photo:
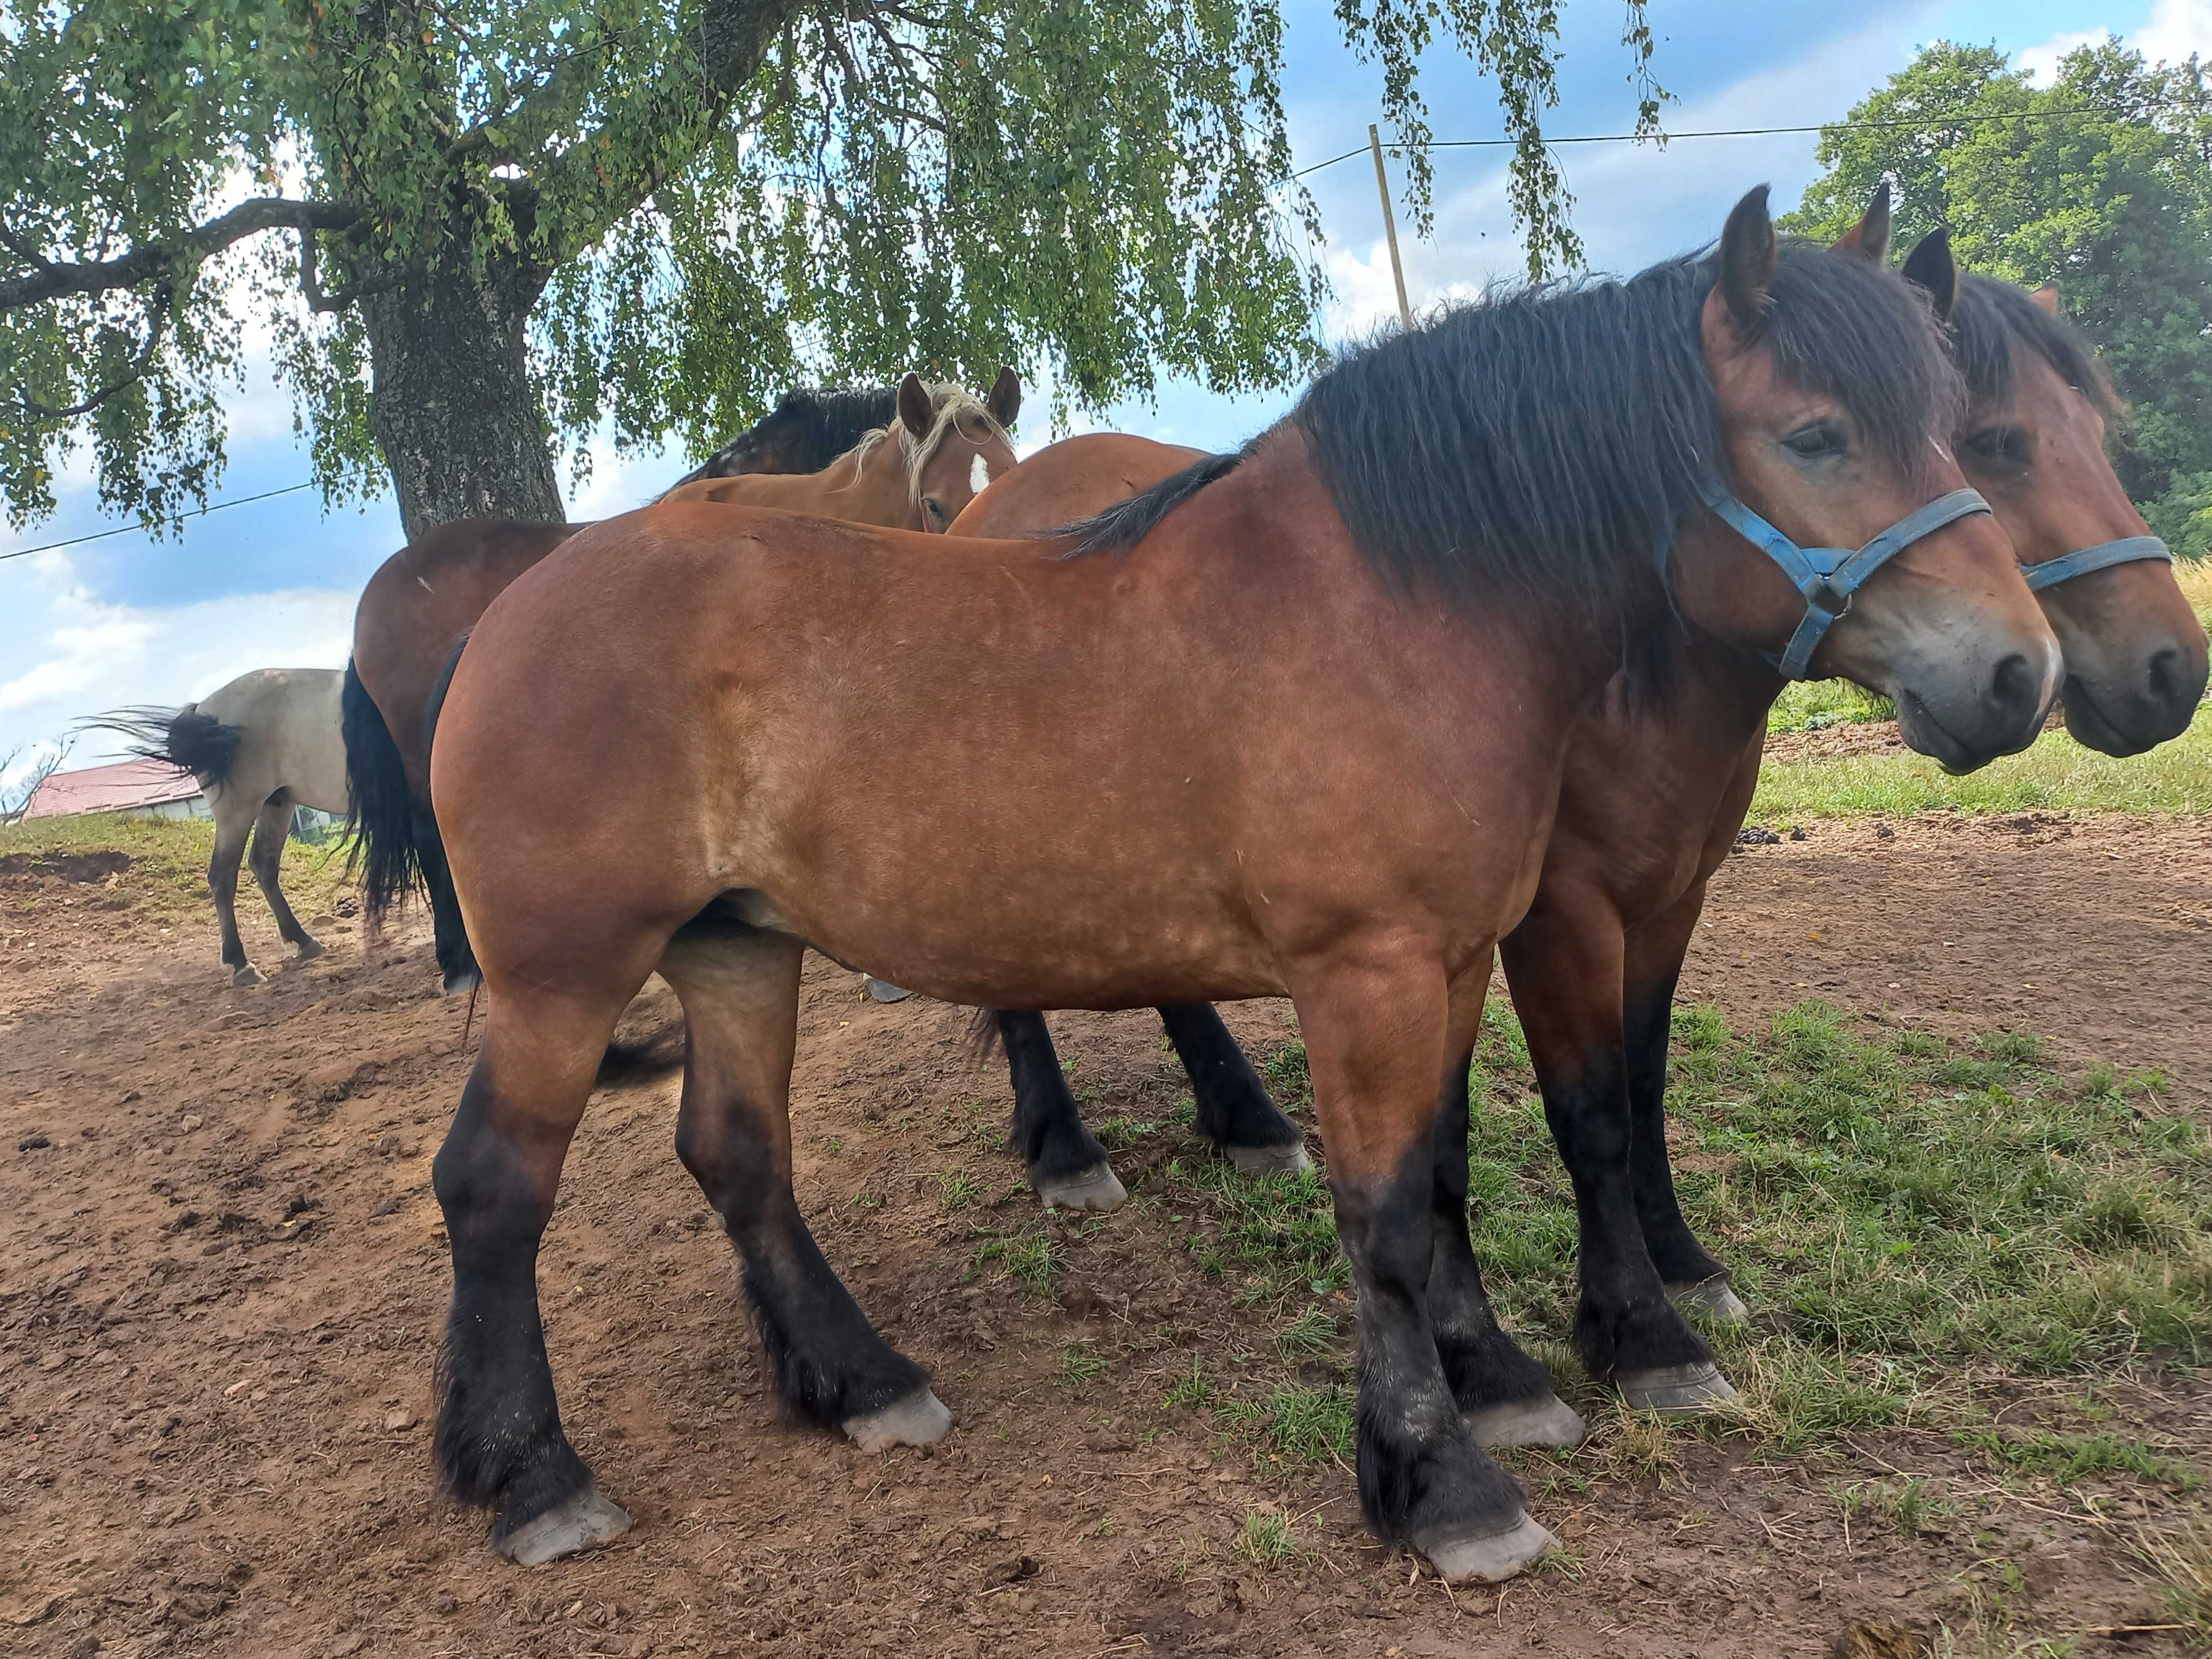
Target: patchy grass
[(1266, 1538), (167, 880), (1811, 705), (2056, 774), (2069, 1458), (1903, 1211)]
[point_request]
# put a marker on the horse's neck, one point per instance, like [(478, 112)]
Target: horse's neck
[(875, 490)]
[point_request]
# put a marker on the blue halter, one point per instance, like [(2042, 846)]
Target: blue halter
[(1828, 577), (2103, 556)]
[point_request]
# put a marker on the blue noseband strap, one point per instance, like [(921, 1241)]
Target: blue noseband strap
[(2103, 556), (1828, 577)]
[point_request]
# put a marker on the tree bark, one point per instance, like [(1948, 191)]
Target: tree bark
[(451, 399)]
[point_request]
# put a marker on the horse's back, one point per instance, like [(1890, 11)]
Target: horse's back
[(292, 738), (1070, 480)]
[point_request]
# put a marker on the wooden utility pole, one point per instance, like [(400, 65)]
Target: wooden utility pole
[(1389, 226)]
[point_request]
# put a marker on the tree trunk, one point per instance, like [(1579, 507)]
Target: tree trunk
[(452, 402)]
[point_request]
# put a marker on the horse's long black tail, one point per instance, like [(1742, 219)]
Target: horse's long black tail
[(456, 956), (379, 808), (201, 744)]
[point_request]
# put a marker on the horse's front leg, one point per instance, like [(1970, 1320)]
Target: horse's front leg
[(1505, 1393), (1563, 963), (1377, 1024), (1696, 1280)]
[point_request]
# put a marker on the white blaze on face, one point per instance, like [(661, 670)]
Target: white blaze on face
[(978, 475)]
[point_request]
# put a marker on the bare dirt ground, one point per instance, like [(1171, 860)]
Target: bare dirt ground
[(222, 1279)]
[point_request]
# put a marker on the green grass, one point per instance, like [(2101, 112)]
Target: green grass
[(2056, 774), (1267, 1539), (2067, 1458), (1809, 704), (167, 881), (1906, 1213)]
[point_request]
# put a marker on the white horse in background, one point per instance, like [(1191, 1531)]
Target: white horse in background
[(264, 743)]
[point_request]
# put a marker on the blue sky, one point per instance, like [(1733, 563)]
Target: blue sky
[(131, 619)]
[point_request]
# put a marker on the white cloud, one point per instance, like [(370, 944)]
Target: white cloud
[(2175, 30), (2041, 62), (85, 654)]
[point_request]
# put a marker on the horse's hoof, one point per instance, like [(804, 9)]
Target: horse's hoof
[(1095, 1189), (307, 949), (882, 990), (920, 1419), (570, 1527), (1489, 1557), (1712, 1300), (246, 974), (1269, 1160), (1549, 1421), (1674, 1390), (461, 981)]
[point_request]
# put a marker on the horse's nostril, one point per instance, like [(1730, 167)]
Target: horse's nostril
[(2015, 687), (2167, 675)]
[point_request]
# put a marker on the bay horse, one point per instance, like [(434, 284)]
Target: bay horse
[(1067, 1168), (930, 447), (1654, 793), (1291, 722), (265, 742)]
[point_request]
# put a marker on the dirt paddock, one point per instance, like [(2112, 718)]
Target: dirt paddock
[(222, 1278)]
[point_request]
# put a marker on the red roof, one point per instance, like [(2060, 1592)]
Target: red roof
[(114, 788)]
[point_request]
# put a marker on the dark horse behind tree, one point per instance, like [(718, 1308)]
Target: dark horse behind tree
[(911, 456), (1655, 790), (1291, 725)]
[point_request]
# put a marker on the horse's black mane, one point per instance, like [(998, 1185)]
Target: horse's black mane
[(1992, 320), (1127, 523), (1545, 437), (809, 428)]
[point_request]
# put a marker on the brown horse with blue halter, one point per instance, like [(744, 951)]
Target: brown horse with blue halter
[(1654, 793), (1291, 723)]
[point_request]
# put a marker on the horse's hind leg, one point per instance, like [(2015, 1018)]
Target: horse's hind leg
[(739, 987), (1068, 1166), (233, 823), (1235, 1110), (457, 960), (272, 824), (499, 1438), (1695, 1280), (1505, 1393)]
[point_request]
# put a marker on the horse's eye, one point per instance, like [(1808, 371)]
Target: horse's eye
[(1815, 442), (1999, 446), (934, 507)]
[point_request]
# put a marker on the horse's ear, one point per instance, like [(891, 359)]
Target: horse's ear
[(1869, 238), (1931, 266), (1748, 255), (2046, 296), (917, 409), (1004, 398)]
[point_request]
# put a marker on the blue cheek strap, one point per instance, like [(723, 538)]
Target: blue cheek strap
[(1828, 577), (2103, 556)]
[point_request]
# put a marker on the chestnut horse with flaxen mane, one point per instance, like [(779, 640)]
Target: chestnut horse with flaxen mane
[(920, 455), (1291, 723)]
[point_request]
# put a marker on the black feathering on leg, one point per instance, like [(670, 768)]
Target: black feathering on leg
[(1234, 1108)]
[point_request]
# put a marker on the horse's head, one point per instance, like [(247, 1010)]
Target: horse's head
[(2033, 441), (1836, 399), (956, 443)]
